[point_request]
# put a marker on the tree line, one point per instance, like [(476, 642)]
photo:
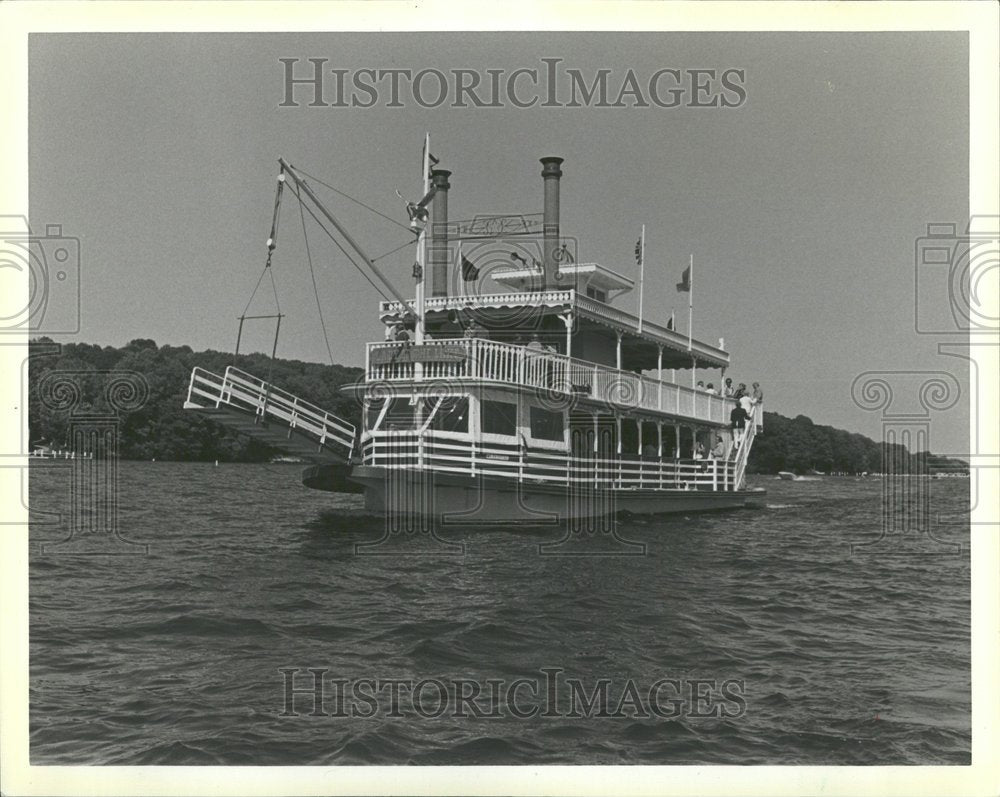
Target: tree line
[(161, 429)]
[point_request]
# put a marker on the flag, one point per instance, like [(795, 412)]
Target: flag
[(426, 154), (670, 322), (469, 270), (685, 283), (638, 252)]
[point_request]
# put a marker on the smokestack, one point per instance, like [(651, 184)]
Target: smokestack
[(550, 222), (439, 233)]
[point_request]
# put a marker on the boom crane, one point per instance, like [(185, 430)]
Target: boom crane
[(305, 189)]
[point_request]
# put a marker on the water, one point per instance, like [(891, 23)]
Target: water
[(173, 657)]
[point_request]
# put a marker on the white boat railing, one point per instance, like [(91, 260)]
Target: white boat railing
[(246, 392), (410, 450), (479, 359)]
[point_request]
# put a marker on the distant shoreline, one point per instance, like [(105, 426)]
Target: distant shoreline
[(160, 429)]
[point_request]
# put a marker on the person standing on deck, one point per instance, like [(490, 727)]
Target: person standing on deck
[(728, 390), (719, 449), (534, 360), (474, 330), (758, 411), (738, 418)]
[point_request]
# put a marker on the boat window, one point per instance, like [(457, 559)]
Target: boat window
[(374, 409), (499, 417), (546, 425), (400, 414), (452, 415)]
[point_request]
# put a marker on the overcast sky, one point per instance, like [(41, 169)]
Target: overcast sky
[(802, 206)]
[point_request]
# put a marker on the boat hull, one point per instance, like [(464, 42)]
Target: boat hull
[(455, 499)]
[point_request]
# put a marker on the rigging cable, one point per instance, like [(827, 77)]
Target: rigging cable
[(356, 201), (350, 259), (312, 274)]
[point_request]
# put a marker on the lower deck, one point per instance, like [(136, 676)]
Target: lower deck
[(586, 465), (408, 497)]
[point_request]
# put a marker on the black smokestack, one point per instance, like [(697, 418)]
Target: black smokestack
[(439, 233), (550, 222)]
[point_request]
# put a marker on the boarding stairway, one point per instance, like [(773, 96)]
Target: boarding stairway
[(251, 406), (743, 452)]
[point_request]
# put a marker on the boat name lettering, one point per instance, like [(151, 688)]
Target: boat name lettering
[(417, 354)]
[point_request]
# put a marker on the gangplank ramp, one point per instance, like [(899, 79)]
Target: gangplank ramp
[(257, 409)]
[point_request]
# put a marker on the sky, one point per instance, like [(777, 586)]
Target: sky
[(802, 207)]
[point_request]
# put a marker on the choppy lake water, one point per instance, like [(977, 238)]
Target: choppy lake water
[(174, 655)]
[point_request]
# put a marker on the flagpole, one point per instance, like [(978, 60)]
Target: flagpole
[(694, 367), (690, 300), (422, 245), (642, 270)]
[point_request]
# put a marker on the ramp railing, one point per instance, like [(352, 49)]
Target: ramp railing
[(247, 393), (743, 452)]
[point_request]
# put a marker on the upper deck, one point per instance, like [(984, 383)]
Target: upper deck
[(476, 361), (646, 346)]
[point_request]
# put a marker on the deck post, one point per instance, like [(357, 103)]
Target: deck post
[(618, 441), (618, 351), (659, 377), (677, 441), (638, 445), (567, 319), (659, 452), (597, 451)]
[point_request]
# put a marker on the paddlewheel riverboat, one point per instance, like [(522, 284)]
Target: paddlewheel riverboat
[(509, 389)]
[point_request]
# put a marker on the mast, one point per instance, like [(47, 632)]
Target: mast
[(642, 270), (425, 165)]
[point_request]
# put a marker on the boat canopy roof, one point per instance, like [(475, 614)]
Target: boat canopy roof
[(510, 315), (580, 276)]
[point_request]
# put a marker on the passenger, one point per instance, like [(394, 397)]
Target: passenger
[(758, 410), (746, 400), (711, 389), (740, 391), (699, 450), (535, 344), (728, 388), (473, 330), (719, 450), (701, 385), (738, 418), (649, 451), (399, 332)]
